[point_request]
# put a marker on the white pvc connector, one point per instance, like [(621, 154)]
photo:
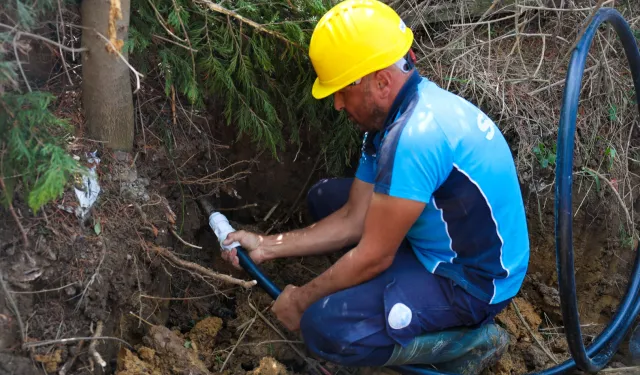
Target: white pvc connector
[(222, 228)]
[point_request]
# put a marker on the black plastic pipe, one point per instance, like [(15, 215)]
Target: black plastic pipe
[(599, 353), (564, 210), (252, 269)]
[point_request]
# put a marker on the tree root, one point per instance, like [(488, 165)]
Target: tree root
[(92, 347), (198, 269)]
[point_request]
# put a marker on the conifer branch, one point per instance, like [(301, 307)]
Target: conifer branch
[(220, 9), (162, 23), (25, 239)]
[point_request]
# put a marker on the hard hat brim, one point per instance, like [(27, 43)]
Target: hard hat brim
[(320, 91)]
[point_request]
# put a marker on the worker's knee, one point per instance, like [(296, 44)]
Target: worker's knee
[(324, 335), (327, 196), (315, 198), (337, 337)]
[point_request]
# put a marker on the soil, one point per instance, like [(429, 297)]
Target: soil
[(76, 273), (178, 323)]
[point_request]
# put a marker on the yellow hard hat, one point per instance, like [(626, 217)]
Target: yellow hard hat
[(353, 39)]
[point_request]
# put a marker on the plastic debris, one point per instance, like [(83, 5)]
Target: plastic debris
[(89, 188)]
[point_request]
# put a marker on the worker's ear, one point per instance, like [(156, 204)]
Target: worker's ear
[(382, 83)]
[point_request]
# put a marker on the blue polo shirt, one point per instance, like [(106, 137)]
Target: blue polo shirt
[(439, 149)]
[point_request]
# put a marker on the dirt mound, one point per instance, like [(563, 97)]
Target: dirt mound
[(269, 366), (523, 354), (165, 352), (203, 335)]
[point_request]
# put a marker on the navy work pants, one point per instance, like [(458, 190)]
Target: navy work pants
[(361, 325)]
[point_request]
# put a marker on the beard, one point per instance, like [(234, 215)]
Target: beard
[(373, 115)]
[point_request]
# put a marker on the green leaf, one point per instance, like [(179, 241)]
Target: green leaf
[(97, 228), (595, 177), (187, 344)]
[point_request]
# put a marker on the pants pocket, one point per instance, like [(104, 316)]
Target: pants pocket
[(405, 320)]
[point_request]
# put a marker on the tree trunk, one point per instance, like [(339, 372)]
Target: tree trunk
[(106, 84)]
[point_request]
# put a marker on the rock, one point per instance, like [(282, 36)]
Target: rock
[(172, 355), (135, 190), (560, 346), (550, 295), (535, 356)]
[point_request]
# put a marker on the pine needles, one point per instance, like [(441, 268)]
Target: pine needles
[(32, 154), (253, 58), (31, 147)]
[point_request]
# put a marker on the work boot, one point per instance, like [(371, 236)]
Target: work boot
[(462, 350)]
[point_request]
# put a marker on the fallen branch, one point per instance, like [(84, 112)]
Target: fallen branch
[(92, 347), (165, 253)]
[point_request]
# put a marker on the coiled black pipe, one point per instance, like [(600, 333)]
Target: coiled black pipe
[(599, 353), (615, 332)]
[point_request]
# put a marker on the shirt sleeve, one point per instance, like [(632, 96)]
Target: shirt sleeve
[(414, 161)]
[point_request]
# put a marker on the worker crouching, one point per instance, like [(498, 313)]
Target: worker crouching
[(432, 225)]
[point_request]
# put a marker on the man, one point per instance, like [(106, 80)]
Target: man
[(435, 212)]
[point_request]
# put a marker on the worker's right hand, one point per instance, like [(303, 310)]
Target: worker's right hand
[(251, 242)]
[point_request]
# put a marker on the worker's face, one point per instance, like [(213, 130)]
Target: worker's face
[(361, 103)]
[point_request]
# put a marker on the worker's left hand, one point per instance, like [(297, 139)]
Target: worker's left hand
[(288, 308)]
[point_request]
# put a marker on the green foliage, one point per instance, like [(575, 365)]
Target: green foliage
[(546, 156), (262, 75), (32, 153), (31, 139)]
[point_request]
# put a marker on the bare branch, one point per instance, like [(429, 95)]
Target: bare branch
[(72, 339), (165, 253), (220, 9), (44, 290), (38, 37)]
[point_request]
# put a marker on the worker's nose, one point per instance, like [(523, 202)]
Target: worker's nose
[(338, 101)]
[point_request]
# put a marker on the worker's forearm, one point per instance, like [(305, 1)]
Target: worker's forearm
[(352, 269), (336, 231)]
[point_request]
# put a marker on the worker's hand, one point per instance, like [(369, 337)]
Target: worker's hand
[(249, 241), (289, 308)]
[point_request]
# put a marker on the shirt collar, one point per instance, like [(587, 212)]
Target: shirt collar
[(400, 102)]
